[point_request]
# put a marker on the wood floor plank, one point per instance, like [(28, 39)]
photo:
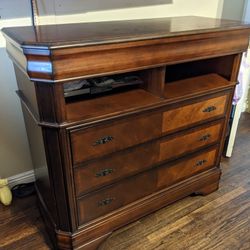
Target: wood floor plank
[(197, 220)]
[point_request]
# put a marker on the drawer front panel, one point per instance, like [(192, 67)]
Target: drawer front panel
[(124, 192), (186, 115), (106, 170), (101, 140), (190, 141)]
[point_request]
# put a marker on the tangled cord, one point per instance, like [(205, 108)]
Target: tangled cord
[(23, 190)]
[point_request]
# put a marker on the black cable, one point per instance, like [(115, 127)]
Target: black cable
[(23, 190)]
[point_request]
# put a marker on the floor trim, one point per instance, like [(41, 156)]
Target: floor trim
[(25, 177)]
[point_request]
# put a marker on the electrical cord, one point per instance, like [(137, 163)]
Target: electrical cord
[(23, 190)]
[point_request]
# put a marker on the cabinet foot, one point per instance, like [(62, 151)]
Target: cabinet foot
[(67, 242), (207, 189)]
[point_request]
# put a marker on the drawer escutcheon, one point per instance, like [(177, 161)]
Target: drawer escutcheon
[(104, 172), (200, 163), (103, 140), (209, 109), (205, 137), (105, 202)]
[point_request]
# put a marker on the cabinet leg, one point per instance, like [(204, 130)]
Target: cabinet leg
[(207, 189)]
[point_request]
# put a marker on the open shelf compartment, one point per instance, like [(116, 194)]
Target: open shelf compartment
[(198, 77), (110, 104), (195, 86), (159, 85), (117, 101)]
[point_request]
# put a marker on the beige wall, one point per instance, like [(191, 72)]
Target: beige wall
[(14, 152), (96, 10), (233, 9)]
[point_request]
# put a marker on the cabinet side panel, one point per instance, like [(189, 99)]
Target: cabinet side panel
[(27, 89), (37, 150)]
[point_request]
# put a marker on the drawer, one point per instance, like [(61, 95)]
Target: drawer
[(106, 170), (131, 189), (184, 116), (104, 139), (190, 141)]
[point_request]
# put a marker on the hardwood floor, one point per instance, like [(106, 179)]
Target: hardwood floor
[(220, 220)]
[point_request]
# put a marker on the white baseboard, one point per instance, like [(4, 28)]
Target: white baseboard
[(25, 177)]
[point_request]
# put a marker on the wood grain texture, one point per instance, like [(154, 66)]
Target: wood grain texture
[(199, 85), (180, 117), (110, 105), (134, 101), (136, 58), (124, 192), (64, 52), (87, 143), (218, 221), (106, 170), (190, 141), (117, 31), (150, 77), (222, 65), (80, 131)]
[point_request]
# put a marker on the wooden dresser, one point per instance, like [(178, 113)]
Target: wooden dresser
[(104, 160)]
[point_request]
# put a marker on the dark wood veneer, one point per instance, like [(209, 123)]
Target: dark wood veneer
[(111, 104), (104, 162), (87, 143), (124, 192), (183, 116)]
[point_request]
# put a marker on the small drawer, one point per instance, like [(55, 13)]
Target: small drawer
[(131, 189), (190, 141), (184, 116), (104, 139), (106, 170)]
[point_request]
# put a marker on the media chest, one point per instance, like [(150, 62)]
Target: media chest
[(107, 158)]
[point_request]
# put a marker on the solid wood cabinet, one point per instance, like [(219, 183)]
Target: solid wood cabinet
[(104, 160)]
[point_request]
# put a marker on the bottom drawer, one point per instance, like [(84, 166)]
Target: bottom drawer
[(120, 194)]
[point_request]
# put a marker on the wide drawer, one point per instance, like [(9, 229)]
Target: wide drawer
[(106, 170), (184, 116), (131, 189), (104, 139)]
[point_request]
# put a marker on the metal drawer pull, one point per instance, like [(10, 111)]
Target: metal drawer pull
[(205, 137), (104, 172), (105, 202), (200, 163), (103, 140), (209, 109)]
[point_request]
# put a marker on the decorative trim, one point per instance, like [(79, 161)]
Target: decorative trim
[(25, 177)]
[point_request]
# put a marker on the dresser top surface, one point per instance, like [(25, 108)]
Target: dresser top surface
[(97, 33)]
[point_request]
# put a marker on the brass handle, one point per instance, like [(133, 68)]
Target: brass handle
[(105, 202), (200, 163), (205, 137), (209, 109), (103, 140), (104, 172)]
